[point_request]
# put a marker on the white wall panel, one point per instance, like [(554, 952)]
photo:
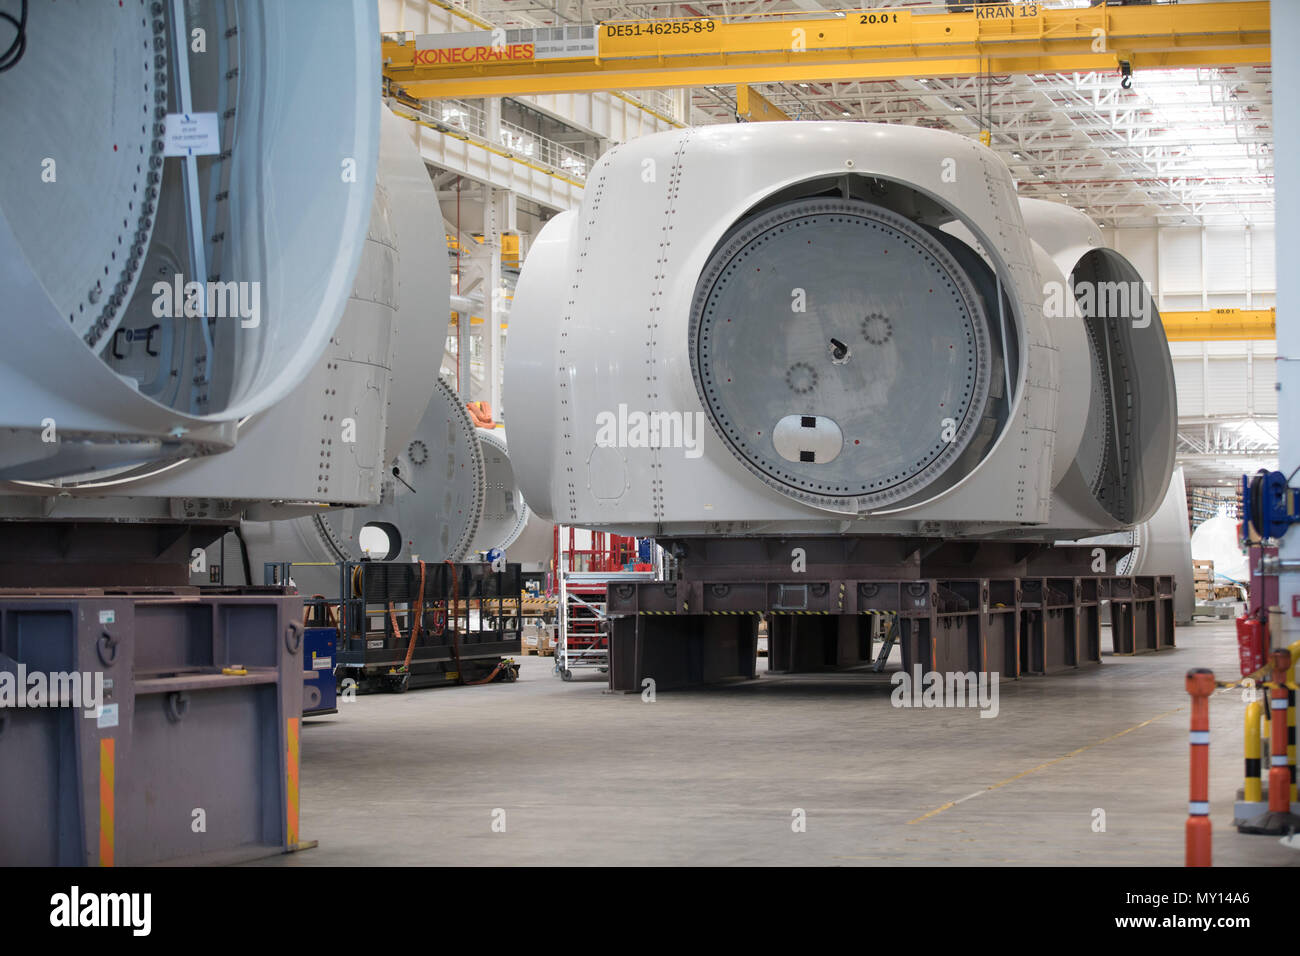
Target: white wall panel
[(1263, 266), (1225, 379), (1140, 247), (1180, 261), (1188, 381), (1180, 303), (1225, 384), (1226, 300), (1239, 269), (1225, 263)]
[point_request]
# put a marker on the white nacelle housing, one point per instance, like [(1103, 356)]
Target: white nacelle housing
[(821, 328)]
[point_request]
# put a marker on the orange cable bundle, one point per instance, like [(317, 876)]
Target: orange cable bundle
[(415, 624)]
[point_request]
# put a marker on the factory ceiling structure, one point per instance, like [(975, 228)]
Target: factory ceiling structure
[(1186, 146), (1185, 141)]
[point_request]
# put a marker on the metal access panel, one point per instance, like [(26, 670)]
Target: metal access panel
[(179, 761)]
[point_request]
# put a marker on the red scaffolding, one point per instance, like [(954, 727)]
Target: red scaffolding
[(578, 580)]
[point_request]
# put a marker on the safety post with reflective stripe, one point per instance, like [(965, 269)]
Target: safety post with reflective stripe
[(1253, 789), (1279, 773), (1200, 685)]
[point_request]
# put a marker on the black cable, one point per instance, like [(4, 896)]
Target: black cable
[(243, 553), (9, 59)]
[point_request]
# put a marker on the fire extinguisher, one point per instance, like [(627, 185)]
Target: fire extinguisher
[(1252, 639)]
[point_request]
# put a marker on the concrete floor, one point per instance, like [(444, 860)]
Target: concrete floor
[(712, 776)]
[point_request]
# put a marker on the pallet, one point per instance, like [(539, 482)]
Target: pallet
[(1203, 575), (1224, 612), (537, 652)]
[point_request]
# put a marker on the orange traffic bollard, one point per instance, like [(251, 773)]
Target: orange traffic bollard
[(1278, 820), (1200, 684)]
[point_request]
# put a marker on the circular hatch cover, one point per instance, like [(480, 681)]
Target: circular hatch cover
[(841, 352)]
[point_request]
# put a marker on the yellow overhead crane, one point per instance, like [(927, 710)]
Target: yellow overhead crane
[(1220, 325), (753, 107), (852, 45), (848, 45)]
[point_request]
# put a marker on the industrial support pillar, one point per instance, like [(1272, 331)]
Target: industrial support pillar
[(1285, 34)]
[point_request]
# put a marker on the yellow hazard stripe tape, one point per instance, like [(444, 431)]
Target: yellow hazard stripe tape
[(107, 778), (675, 613), (291, 781)]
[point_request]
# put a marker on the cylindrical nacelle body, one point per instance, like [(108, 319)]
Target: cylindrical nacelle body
[(819, 328)]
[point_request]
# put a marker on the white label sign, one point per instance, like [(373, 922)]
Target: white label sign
[(191, 134), (107, 617), (107, 716)]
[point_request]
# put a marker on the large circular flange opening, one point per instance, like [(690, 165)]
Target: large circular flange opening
[(841, 352), (1127, 452)]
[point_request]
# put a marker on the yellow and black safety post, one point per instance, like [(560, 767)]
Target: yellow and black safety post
[(1278, 819), (1253, 787)]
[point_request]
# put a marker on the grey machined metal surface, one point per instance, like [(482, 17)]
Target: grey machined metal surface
[(894, 365), (105, 192)]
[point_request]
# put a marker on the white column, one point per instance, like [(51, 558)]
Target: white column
[(1285, 30), (492, 109)]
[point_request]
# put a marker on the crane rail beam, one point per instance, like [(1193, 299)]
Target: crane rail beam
[(1220, 325), (851, 45)]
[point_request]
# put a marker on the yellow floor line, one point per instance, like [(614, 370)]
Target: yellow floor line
[(1042, 766)]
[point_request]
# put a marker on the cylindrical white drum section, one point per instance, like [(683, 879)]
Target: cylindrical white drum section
[(1125, 452), (154, 299), (535, 363)]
